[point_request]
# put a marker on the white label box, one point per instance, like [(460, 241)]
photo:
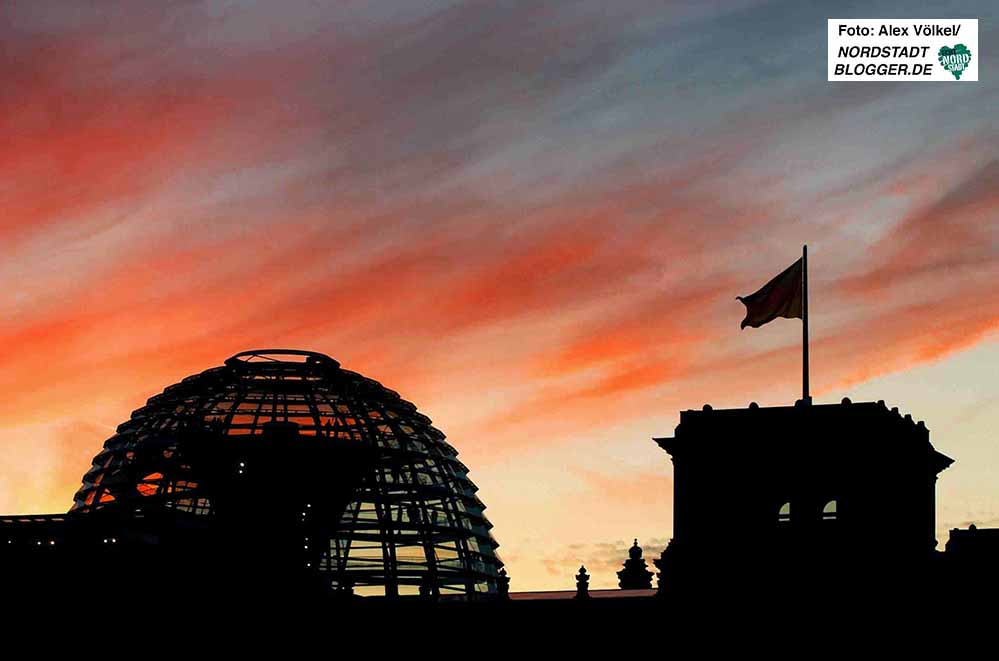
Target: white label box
[(943, 49)]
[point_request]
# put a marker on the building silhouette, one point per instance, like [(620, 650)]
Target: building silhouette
[(803, 498), (280, 477), (276, 473), (972, 561)]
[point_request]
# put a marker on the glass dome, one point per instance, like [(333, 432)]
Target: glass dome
[(412, 523)]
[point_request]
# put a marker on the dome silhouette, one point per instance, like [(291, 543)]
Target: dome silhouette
[(397, 517)]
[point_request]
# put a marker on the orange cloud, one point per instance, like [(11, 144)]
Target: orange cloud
[(482, 209)]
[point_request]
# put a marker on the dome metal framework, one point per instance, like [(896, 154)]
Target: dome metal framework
[(412, 524)]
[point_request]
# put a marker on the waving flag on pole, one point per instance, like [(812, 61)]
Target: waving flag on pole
[(781, 297), (784, 296)]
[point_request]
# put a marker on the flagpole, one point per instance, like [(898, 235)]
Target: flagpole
[(805, 397)]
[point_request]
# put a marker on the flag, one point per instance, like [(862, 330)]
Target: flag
[(781, 297)]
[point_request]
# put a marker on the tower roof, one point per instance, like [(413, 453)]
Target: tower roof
[(865, 430)]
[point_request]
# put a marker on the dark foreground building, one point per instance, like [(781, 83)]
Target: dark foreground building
[(278, 473), (809, 503), (280, 478), (809, 496)]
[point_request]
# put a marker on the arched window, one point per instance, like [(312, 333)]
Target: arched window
[(784, 514), (829, 511)]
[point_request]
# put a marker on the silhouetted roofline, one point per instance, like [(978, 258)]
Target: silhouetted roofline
[(800, 410), (273, 355), (708, 410)]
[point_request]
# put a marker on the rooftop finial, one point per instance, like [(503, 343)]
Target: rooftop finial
[(635, 575), (582, 584)]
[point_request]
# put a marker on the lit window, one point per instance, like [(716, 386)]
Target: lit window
[(784, 513), (146, 489), (829, 511)]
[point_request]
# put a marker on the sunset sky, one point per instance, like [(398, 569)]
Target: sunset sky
[(529, 218)]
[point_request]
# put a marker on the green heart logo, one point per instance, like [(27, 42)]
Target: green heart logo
[(955, 59)]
